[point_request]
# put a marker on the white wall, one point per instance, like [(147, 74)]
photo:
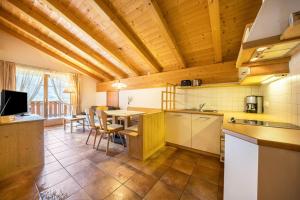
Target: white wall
[(150, 98), (15, 50), (101, 98), (87, 91)]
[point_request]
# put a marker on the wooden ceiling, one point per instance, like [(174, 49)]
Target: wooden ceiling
[(119, 39)]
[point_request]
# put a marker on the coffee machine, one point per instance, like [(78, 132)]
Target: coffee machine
[(254, 104)]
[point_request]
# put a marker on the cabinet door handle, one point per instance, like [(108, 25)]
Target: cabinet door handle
[(204, 118), (177, 115)]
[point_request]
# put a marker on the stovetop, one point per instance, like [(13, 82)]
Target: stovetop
[(264, 123)]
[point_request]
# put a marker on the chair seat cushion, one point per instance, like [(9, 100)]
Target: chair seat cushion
[(114, 127), (133, 128), (129, 133)]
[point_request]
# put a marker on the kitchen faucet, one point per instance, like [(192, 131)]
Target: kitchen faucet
[(201, 106)]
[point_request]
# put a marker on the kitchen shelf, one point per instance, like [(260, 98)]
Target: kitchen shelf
[(208, 86)]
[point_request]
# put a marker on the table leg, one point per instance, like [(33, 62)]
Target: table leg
[(126, 123), (114, 119), (71, 126), (64, 124), (83, 125)]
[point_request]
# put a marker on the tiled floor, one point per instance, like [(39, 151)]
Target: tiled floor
[(74, 170)]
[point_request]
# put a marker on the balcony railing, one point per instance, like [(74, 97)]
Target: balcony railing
[(54, 108)]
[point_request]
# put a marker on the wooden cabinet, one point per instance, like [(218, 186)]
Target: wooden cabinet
[(206, 130), (197, 131), (178, 128)]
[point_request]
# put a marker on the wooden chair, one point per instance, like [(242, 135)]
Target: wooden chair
[(93, 126), (107, 129)]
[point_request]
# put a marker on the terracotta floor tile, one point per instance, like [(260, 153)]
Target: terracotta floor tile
[(188, 155), (109, 165), (137, 164), (78, 166), (175, 178), (123, 193), (141, 183), (65, 188), (202, 189), (188, 196), (101, 188), (123, 157), (64, 154), (49, 180), (49, 159), (50, 168), (86, 176), (183, 166), (162, 191), (209, 162), (122, 173), (207, 174), (80, 195), (155, 168), (70, 160)]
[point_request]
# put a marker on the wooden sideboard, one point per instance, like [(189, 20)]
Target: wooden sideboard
[(21, 144)]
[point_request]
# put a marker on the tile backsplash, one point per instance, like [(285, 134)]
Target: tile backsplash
[(219, 98), (282, 99)]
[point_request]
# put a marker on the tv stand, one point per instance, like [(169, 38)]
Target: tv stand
[(21, 144)]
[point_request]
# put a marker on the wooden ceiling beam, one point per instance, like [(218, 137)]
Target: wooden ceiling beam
[(127, 34), (74, 20), (106, 65), (48, 52), (214, 16), (167, 34), (215, 73), (6, 16)]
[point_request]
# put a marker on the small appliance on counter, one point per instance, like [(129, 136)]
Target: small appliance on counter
[(186, 83), (254, 104)]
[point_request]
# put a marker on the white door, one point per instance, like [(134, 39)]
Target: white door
[(206, 130), (178, 128)]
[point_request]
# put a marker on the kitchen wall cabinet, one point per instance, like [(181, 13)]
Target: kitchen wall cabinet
[(197, 131), (178, 128), (206, 130)]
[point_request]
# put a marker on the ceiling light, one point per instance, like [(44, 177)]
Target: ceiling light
[(261, 49), (253, 59), (118, 85)]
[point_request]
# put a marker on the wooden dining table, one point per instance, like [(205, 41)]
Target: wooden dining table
[(126, 114)]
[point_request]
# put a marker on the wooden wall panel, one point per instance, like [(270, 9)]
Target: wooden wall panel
[(214, 73), (112, 98)]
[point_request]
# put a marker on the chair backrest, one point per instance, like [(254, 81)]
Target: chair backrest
[(90, 113), (102, 117)]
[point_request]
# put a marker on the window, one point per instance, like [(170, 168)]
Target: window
[(33, 81)]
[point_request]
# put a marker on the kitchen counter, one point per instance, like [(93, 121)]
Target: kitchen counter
[(260, 135)]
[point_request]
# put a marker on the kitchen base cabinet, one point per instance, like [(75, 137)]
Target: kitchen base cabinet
[(195, 131), (206, 130), (178, 128)]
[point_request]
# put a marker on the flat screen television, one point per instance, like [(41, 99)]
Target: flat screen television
[(13, 102)]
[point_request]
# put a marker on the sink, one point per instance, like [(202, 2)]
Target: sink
[(209, 110), (204, 110)]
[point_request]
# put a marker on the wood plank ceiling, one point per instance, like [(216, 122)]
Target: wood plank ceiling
[(117, 39)]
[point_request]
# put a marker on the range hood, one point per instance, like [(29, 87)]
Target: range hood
[(270, 36)]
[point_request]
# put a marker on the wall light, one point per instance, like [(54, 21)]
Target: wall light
[(273, 78)]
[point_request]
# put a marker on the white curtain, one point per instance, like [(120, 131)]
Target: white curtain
[(29, 80), (59, 81)]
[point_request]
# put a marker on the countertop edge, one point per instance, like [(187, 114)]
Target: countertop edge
[(196, 112), (260, 142)]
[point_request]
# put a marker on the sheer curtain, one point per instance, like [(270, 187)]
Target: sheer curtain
[(59, 82), (76, 95), (7, 75), (29, 80)]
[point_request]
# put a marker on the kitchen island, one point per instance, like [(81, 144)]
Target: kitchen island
[(21, 144), (258, 160)]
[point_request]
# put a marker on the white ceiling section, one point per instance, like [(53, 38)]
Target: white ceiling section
[(272, 18), (15, 50)]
